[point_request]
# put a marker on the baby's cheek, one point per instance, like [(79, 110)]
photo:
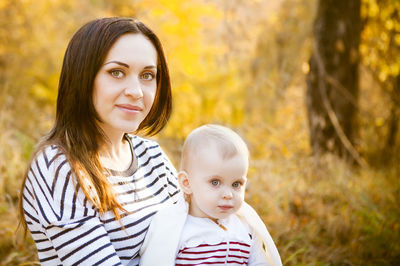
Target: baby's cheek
[(240, 201), (242, 195)]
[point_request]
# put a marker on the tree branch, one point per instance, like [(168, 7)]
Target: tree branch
[(331, 114)]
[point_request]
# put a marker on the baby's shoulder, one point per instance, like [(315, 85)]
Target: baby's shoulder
[(237, 222)]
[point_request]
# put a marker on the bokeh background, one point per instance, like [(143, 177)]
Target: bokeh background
[(244, 64)]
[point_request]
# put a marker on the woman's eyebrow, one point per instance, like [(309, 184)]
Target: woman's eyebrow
[(150, 67), (118, 63), (127, 66)]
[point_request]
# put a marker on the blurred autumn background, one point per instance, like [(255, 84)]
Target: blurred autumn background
[(313, 87)]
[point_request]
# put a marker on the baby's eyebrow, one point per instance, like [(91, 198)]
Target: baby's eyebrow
[(214, 176), (243, 179)]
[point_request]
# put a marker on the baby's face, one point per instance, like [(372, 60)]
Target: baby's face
[(217, 185)]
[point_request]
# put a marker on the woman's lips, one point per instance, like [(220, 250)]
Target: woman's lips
[(129, 108)]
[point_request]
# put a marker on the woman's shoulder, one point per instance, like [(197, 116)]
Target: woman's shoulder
[(149, 150), (49, 161), (49, 154), (143, 143)]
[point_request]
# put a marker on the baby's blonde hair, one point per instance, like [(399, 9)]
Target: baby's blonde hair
[(227, 143)]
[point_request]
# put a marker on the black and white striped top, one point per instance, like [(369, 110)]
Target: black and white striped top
[(67, 228)]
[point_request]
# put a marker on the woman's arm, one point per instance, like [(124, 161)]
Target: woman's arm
[(258, 256), (162, 238), (250, 216), (64, 224)]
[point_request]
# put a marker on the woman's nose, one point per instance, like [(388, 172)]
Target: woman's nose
[(134, 89)]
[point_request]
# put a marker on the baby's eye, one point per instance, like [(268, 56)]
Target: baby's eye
[(117, 73), (237, 184), (148, 76), (215, 182)]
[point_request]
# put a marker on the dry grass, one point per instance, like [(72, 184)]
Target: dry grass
[(326, 213), (15, 149)]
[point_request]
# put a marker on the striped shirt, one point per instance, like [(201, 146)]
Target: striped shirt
[(230, 242), (68, 229)]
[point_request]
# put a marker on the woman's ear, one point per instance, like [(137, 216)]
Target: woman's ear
[(184, 182)]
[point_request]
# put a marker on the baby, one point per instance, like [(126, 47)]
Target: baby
[(214, 226)]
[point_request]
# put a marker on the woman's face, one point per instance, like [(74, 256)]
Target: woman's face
[(125, 86)]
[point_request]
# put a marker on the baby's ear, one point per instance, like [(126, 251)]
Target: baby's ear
[(184, 182)]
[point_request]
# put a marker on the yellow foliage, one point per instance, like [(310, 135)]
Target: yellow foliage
[(379, 121), (41, 92), (380, 44), (397, 38)]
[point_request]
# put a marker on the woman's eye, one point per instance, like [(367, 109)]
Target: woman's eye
[(237, 185), (148, 76), (215, 182), (117, 73)]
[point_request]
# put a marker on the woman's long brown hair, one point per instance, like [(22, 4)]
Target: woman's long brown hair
[(76, 130)]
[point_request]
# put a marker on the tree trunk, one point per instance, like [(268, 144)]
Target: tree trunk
[(390, 150), (332, 83)]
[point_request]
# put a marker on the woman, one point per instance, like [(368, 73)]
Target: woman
[(92, 188)]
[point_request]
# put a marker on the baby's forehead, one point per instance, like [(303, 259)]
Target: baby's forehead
[(219, 142), (224, 147), (212, 155), (221, 152)]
